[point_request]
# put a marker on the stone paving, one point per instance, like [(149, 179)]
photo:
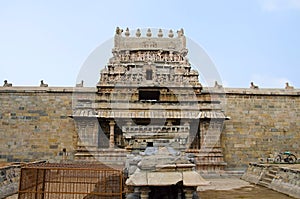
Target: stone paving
[(224, 184)]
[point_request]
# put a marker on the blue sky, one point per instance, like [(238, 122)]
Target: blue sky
[(249, 40)]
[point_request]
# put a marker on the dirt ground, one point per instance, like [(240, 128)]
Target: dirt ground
[(230, 188), (235, 188)]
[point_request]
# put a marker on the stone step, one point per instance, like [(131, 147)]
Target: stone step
[(270, 176), (267, 180), (273, 171), (262, 183)]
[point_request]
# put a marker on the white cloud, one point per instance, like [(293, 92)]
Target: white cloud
[(277, 5), (264, 81)]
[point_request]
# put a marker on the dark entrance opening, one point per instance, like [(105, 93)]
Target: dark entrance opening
[(149, 144), (166, 192), (145, 95)]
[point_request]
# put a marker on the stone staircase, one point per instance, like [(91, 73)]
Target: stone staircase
[(111, 157), (209, 161), (268, 177)]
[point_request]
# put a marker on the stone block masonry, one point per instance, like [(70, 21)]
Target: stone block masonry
[(34, 123), (263, 122)]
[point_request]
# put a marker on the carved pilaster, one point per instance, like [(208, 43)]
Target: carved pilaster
[(112, 134), (210, 133), (145, 192), (87, 133), (189, 192)]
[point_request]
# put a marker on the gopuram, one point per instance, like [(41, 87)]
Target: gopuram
[(148, 95)]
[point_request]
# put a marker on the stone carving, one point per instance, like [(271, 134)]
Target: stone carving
[(288, 87), (159, 43), (149, 55), (119, 31), (149, 34), (180, 32), (6, 84), (160, 33), (138, 33), (127, 33), (217, 85), (133, 55), (43, 84), (80, 84), (171, 34), (253, 86)]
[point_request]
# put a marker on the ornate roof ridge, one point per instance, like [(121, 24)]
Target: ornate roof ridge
[(160, 34), (124, 41)]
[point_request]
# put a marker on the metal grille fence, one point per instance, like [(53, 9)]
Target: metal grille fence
[(70, 181)]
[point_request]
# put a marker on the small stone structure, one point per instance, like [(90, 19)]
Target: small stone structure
[(162, 172), (279, 177)]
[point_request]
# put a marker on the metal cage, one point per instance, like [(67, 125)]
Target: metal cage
[(64, 181)]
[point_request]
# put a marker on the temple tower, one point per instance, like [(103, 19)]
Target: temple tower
[(148, 95)]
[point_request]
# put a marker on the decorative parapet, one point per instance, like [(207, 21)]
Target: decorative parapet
[(139, 42)]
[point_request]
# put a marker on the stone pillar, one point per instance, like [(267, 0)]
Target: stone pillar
[(188, 193), (112, 134), (145, 192)]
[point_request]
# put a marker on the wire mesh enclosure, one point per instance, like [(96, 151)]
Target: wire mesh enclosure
[(70, 181)]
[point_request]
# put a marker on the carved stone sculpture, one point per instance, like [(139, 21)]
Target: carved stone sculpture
[(6, 84), (253, 86), (43, 84), (288, 87)]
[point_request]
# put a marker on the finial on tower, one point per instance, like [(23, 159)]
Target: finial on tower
[(149, 34), (138, 33), (171, 34), (119, 31), (288, 86), (180, 32), (160, 33), (127, 33)]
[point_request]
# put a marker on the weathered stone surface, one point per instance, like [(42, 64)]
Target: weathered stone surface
[(36, 130), (254, 133), (281, 178), (163, 178), (246, 137), (192, 178)]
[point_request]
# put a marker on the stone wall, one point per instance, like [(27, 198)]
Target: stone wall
[(34, 123), (263, 122)]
